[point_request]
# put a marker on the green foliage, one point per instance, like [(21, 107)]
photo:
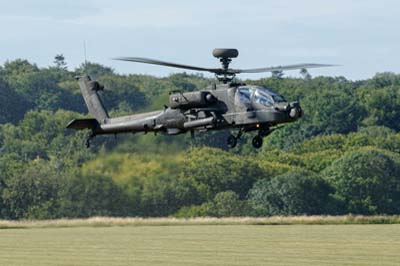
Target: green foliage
[(32, 194), (293, 193), (224, 204), (94, 70), (92, 195), (59, 61), (40, 89), (43, 135), (321, 143), (162, 196), (349, 136), (121, 95), (213, 170), (17, 67), (227, 204), (12, 105), (382, 105), (366, 181), (192, 211), (151, 183)]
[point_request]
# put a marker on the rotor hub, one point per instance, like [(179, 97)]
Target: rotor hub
[(225, 57)]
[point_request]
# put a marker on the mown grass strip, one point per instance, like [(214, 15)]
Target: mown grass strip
[(137, 221), (230, 245)]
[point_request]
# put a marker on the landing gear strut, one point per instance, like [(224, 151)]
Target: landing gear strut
[(232, 140), (88, 140), (258, 140)]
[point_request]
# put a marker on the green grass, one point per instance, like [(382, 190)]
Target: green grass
[(203, 245)]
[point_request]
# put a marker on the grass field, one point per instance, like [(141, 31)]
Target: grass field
[(367, 244)]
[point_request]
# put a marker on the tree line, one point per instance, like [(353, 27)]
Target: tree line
[(341, 157)]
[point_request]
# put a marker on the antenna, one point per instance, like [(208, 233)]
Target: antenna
[(84, 52)]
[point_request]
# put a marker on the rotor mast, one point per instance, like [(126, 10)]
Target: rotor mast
[(225, 57)]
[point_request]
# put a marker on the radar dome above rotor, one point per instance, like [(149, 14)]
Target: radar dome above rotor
[(225, 53)]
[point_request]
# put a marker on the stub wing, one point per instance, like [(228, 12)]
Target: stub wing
[(80, 124)]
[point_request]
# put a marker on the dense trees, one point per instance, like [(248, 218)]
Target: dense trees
[(213, 171), (366, 181), (293, 193), (342, 157), (32, 193), (12, 105), (91, 195)]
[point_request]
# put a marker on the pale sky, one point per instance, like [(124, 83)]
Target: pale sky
[(361, 35)]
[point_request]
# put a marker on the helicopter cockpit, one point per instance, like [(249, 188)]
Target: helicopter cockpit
[(258, 95)]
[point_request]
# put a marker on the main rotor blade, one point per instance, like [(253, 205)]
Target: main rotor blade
[(280, 68), (163, 63)]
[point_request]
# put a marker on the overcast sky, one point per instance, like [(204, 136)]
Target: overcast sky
[(361, 35)]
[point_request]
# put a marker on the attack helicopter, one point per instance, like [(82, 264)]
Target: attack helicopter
[(224, 106)]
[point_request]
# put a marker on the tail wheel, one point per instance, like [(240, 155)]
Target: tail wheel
[(231, 141), (257, 142)]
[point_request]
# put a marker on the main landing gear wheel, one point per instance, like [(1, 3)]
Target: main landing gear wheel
[(257, 142), (231, 141)]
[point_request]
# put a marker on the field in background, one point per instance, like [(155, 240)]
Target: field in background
[(203, 245)]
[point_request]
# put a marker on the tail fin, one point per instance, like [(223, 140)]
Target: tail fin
[(92, 99)]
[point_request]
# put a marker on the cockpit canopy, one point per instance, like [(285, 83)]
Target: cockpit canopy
[(259, 95)]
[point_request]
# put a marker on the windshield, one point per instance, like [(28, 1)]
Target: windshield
[(277, 98), (263, 98), (244, 94)]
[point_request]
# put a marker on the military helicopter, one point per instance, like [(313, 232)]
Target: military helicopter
[(224, 106)]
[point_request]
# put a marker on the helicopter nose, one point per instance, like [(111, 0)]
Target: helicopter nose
[(295, 110)]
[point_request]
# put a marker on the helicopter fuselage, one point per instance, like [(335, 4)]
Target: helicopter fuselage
[(217, 107), (224, 106)]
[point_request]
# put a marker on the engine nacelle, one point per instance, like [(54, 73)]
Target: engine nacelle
[(191, 99)]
